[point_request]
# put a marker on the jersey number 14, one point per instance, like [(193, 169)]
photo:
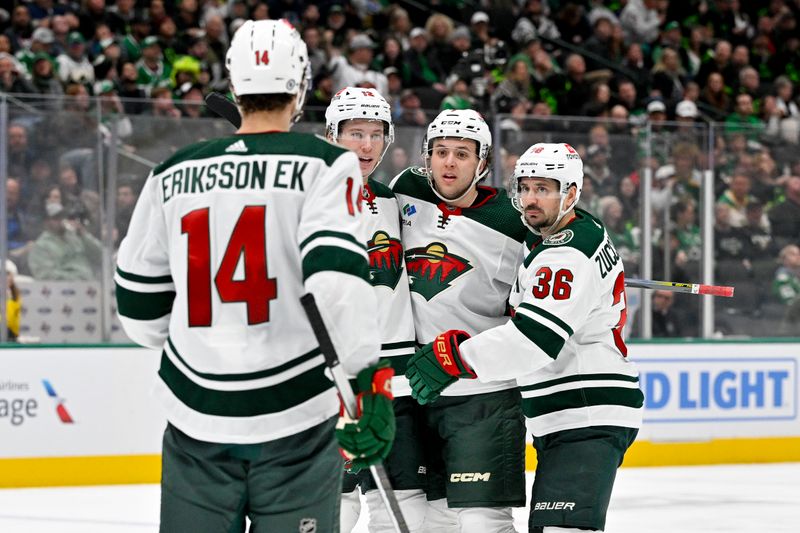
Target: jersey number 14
[(248, 241)]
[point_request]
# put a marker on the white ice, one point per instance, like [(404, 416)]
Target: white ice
[(730, 499)]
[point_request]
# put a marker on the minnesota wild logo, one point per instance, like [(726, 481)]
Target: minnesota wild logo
[(385, 260), (432, 269)]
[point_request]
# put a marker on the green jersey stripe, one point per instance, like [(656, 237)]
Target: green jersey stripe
[(250, 375), (549, 316), (338, 234), (584, 397), (542, 336), (396, 345), (579, 377), (144, 279), (143, 305), (333, 258), (266, 400), (399, 363)]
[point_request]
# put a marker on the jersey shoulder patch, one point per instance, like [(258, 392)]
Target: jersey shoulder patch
[(585, 234), (413, 182)]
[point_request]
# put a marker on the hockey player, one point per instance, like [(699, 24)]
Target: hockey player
[(225, 238), (361, 120), (463, 242), (580, 394)]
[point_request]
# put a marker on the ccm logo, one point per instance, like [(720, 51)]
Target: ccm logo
[(551, 506), (466, 477)]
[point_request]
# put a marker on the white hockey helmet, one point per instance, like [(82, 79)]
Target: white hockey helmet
[(356, 103), (459, 124), (555, 161), (269, 57)]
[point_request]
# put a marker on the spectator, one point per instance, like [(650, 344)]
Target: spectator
[(458, 96), (151, 69), (126, 200), (132, 42), (41, 43), (737, 196), (65, 250), (624, 235), (20, 154), (684, 215), (667, 322), (714, 97), (21, 28), (353, 70), (73, 65), (669, 78), (13, 302), (422, 67), (719, 62), (517, 83), (17, 221), (316, 51), (12, 77), (128, 89), (786, 285), (743, 119), (640, 20), (391, 56), (43, 76), (535, 22), (757, 227), (571, 88), (785, 216)]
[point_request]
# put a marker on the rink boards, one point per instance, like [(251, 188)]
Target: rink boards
[(84, 415)]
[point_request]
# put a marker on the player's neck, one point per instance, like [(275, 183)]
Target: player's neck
[(568, 217), (466, 201), (263, 121)]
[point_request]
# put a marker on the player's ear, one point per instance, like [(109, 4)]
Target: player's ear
[(571, 194)]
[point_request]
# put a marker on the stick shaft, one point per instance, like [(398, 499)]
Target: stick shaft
[(349, 401), (690, 288), (223, 107)]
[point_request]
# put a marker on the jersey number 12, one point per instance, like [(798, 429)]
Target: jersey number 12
[(248, 241)]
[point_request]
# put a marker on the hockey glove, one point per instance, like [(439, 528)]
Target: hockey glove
[(437, 365), (368, 438)]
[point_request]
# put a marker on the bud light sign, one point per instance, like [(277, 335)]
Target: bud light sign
[(718, 390)]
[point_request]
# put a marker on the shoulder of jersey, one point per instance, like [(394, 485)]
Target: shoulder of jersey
[(499, 214), (286, 143), (584, 234), (413, 181), (381, 190)]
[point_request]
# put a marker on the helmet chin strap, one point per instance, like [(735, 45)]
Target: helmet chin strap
[(549, 231), (478, 177)]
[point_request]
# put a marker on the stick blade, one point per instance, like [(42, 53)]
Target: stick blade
[(717, 290), (223, 107)]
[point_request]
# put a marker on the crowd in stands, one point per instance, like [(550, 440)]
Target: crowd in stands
[(648, 76)]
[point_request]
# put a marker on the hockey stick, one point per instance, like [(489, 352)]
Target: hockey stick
[(223, 107), (349, 402), (691, 288)]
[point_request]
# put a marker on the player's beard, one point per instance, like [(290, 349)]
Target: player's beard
[(542, 223)]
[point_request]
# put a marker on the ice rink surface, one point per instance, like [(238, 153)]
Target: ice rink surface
[(730, 499)]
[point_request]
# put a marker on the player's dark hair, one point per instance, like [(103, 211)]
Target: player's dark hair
[(253, 103)]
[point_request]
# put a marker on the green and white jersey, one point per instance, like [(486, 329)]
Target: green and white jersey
[(565, 342), (389, 277), (461, 265), (226, 237)]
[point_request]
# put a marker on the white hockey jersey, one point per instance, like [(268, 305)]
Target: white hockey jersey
[(225, 238), (461, 265), (388, 276), (565, 342)]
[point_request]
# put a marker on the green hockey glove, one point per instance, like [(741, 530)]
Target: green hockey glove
[(438, 365), (368, 438)]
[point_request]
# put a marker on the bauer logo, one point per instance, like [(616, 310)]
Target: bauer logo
[(718, 390)]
